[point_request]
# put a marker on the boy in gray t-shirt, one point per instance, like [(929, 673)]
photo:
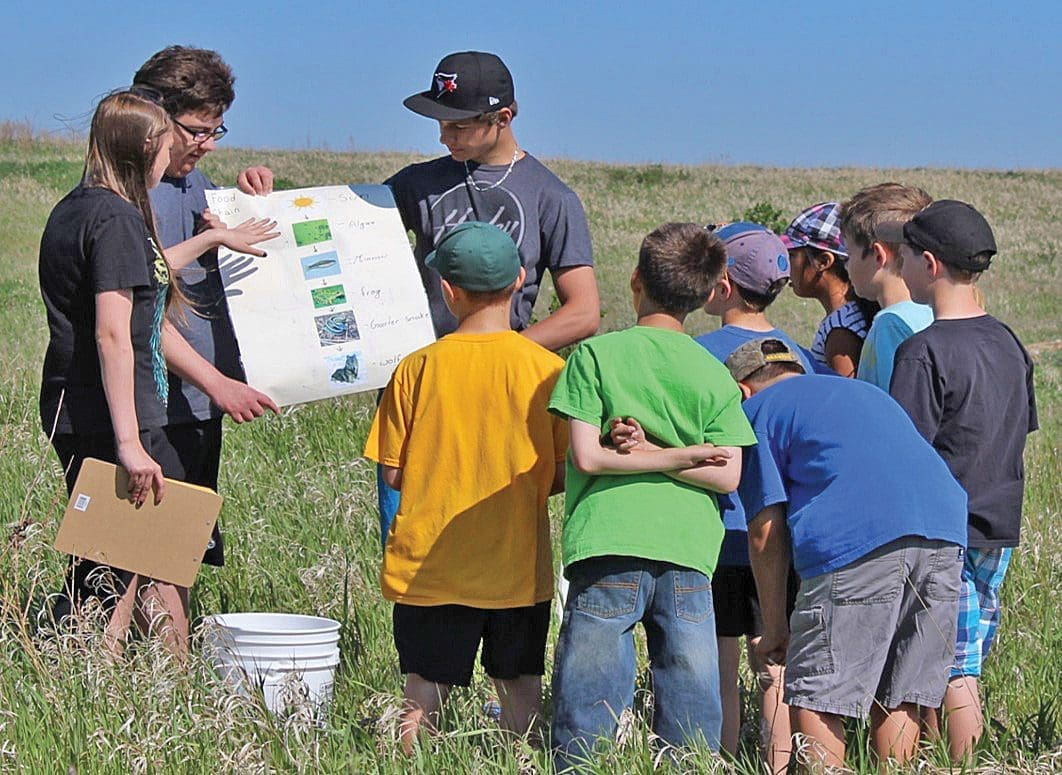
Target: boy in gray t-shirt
[(488, 177)]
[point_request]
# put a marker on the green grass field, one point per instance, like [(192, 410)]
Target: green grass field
[(300, 515)]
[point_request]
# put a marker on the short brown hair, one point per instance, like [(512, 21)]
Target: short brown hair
[(493, 117), (486, 298), (866, 210), (966, 276), (758, 302), (190, 80), (678, 264)]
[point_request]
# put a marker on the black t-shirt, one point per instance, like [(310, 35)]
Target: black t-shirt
[(968, 386), (95, 241)]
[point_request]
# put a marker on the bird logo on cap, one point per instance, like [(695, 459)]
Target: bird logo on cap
[(445, 83)]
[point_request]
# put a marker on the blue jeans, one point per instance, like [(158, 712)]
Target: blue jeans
[(593, 674), (387, 499)]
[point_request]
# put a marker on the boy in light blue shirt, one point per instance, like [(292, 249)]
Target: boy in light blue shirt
[(872, 224)]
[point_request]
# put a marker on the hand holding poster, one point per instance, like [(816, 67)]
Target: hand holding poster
[(338, 300)]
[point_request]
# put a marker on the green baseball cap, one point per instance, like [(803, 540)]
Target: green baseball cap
[(476, 256)]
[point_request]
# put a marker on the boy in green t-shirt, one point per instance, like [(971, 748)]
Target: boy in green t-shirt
[(642, 527)]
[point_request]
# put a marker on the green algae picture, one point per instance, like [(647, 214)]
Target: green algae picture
[(311, 232)]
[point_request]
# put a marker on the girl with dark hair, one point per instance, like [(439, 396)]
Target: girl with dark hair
[(817, 257)]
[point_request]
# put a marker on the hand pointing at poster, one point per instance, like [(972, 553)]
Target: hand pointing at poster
[(240, 238)]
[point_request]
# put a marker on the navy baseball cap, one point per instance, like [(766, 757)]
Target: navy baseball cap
[(465, 85)]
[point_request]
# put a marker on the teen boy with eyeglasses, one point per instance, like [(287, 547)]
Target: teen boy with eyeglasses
[(195, 87)]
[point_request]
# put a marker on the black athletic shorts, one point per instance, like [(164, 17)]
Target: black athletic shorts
[(193, 455), (439, 642), (737, 606)]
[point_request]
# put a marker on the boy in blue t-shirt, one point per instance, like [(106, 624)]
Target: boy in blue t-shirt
[(757, 269), (872, 628), (872, 224)]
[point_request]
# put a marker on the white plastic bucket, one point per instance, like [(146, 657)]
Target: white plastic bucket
[(290, 657)]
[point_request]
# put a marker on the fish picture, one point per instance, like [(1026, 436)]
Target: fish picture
[(318, 265)]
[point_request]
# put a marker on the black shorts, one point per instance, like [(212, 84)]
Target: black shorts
[(193, 455), (737, 606), (439, 642)]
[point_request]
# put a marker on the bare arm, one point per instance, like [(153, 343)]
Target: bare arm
[(589, 457), (842, 351), (240, 239), (769, 554), (392, 476), (114, 344), (718, 474), (579, 314), (240, 401), (558, 479)]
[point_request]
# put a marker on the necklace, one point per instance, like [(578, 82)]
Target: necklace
[(479, 187)]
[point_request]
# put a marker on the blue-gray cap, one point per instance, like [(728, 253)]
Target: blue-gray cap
[(756, 257)]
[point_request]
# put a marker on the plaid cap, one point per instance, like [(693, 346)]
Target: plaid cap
[(818, 226), (750, 358)]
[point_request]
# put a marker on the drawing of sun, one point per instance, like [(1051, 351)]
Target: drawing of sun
[(302, 202)]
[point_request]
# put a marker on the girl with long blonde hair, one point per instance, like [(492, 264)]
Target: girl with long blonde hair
[(106, 286)]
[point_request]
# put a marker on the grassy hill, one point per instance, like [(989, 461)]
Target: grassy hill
[(300, 504)]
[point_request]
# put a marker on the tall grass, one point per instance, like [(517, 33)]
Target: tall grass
[(300, 515)]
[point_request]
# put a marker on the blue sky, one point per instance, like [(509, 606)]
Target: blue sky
[(896, 84)]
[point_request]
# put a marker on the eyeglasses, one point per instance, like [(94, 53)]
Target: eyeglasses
[(202, 135)]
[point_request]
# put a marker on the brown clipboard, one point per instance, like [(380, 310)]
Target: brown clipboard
[(164, 542)]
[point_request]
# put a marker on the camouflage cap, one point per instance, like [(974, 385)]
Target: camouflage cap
[(750, 357)]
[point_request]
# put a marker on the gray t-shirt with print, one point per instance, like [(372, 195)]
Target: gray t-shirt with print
[(543, 216)]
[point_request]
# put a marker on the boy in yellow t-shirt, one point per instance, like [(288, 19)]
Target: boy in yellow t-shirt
[(463, 432)]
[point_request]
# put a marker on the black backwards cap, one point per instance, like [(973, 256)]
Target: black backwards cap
[(955, 233)]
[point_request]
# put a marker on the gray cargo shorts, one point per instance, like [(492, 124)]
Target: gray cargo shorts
[(880, 628)]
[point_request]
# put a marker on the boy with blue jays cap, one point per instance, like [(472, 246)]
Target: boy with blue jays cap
[(488, 176), (463, 433)]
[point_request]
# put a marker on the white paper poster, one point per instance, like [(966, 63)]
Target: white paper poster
[(338, 300)]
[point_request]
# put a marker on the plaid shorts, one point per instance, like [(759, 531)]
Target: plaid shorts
[(982, 574)]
